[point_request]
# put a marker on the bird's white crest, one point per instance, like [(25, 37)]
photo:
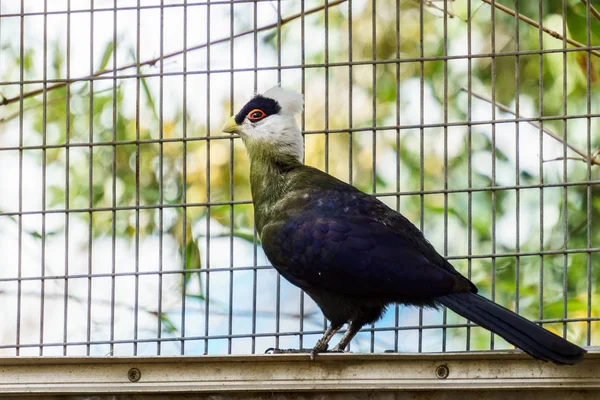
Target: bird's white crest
[(291, 102), (280, 129)]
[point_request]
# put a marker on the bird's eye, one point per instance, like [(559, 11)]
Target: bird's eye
[(256, 115)]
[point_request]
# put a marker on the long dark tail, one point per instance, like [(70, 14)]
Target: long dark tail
[(531, 338)]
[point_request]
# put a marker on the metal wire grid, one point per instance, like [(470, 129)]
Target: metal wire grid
[(118, 73)]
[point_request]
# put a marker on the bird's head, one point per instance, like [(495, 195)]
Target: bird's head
[(268, 121)]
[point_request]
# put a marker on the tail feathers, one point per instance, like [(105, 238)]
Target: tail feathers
[(531, 338)]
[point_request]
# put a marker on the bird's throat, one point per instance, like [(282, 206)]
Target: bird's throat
[(269, 181)]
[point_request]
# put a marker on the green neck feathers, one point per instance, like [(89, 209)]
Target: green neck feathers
[(269, 178)]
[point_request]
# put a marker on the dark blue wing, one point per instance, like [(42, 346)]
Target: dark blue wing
[(351, 254)]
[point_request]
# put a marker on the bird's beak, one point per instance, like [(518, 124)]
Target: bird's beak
[(231, 126)]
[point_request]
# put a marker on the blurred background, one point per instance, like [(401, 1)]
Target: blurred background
[(126, 223)]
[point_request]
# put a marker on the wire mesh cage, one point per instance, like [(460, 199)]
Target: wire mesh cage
[(126, 223)]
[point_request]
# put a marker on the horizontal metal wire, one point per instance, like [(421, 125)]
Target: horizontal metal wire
[(268, 267), (247, 202), (472, 56), (281, 334), (309, 132), (187, 4)]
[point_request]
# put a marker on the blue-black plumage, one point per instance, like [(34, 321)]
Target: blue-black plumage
[(347, 250)]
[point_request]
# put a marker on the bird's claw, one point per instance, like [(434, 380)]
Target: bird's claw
[(313, 354), (320, 347)]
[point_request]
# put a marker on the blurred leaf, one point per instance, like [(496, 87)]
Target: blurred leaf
[(166, 324), (28, 59), (583, 64), (248, 236), (149, 98), (556, 309), (146, 88), (198, 297), (38, 235), (106, 55), (577, 22), (192, 259), (270, 37)]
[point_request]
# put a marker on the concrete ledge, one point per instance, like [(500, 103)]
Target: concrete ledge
[(489, 371)]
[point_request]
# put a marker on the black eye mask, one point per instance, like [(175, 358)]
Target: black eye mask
[(267, 105)]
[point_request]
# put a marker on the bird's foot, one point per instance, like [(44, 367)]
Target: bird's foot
[(320, 347), (338, 349)]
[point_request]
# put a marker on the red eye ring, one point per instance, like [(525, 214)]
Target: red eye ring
[(256, 115)]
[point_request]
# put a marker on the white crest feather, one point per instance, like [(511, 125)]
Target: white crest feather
[(291, 102)]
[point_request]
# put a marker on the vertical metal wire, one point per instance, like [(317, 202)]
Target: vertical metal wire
[(278, 288), (254, 232), (44, 176), (326, 59), (350, 95), (445, 108), (565, 209), (161, 186), (208, 211), (374, 116), (398, 121), (374, 109), (350, 103), (469, 156), (184, 226), (517, 161), (137, 145), (231, 176), (541, 155), (114, 194), (67, 177), (278, 31), (90, 183), (421, 147), (493, 89), (589, 167), (20, 200), (303, 127)]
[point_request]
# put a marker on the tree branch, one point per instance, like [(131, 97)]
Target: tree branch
[(593, 10), (585, 157), (565, 158), (531, 22), (14, 115), (152, 62), (451, 14)]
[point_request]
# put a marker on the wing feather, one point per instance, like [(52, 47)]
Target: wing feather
[(351, 254)]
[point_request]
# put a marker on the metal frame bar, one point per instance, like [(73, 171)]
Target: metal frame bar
[(443, 372)]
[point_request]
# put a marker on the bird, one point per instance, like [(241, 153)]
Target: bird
[(350, 252)]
